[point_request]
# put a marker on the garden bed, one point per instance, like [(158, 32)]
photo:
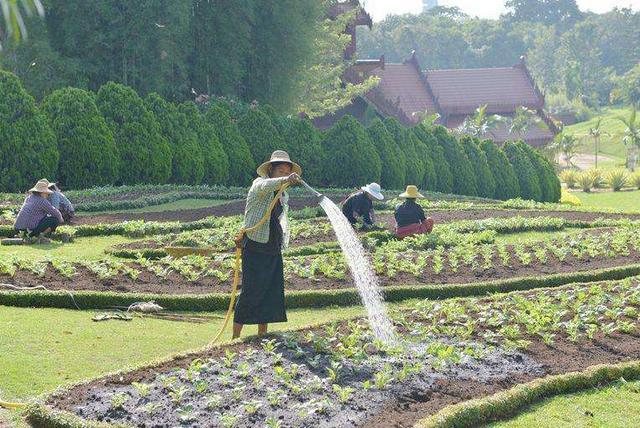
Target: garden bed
[(338, 375), (395, 262)]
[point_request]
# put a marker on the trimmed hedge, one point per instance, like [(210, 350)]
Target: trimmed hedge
[(508, 403), (350, 157), (187, 165), (506, 181), (88, 152), (310, 298), (391, 156), (28, 150), (145, 155)]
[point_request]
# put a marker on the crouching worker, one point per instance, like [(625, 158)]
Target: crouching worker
[(61, 203), (37, 215), (262, 298), (359, 204), (410, 219)]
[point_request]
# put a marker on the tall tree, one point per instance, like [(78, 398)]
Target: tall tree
[(282, 38), (561, 13), (142, 44)]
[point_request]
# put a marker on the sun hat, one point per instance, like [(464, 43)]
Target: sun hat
[(374, 190), (42, 186), (411, 193), (278, 156)]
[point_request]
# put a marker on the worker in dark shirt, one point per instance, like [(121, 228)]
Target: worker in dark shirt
[(360, 204), (410, 218)]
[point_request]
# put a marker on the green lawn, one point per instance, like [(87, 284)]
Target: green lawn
[(45, 348), (610, 144), (617, 405), (627, 201), (81, 248), (183, 204)]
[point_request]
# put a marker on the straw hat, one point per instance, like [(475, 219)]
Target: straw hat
[(411, 193), (278, 156), (42, 186), (374, 190)]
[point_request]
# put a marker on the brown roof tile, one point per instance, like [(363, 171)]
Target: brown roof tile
[(502, 89), (403, 86)]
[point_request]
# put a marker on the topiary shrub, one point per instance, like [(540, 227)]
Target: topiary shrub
[(259, 133), (302, 142), (443, 181), (187, 166), (393, 161), (464, 179), (525, 171), (506, 181), (406, 141), (241, 164), (88, 153), (547, 178), (484, 176), (145, 155), (215, 161), (28, 150), (350, 156), (424, 154)]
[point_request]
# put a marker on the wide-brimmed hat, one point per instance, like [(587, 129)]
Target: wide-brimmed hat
[(411, 193), (374, 190), (42, 186), (278, 156)]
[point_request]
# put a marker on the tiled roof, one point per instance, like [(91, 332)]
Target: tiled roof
[(502, 89), (402, 89)]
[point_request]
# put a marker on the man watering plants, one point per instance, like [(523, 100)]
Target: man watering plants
[(360, 204), (262, 299)]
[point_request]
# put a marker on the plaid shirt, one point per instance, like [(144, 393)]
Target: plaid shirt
[(260, 196)]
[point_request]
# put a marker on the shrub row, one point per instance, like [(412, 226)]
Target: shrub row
[(115, 137), (310, 298)]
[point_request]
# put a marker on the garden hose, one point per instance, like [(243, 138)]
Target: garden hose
[(11, 406), (236, 274)]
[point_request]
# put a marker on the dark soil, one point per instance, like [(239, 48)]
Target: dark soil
[(148, 282), (562, 357), (400, 405)]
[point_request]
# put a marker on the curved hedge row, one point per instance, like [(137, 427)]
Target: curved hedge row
[(309, 298)]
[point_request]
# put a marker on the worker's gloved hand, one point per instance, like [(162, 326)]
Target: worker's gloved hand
[(293, 179)]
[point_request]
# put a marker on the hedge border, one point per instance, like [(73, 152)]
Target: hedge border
[(509, 403), (89, 300)]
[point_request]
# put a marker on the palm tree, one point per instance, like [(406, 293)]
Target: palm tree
[(566, 144), (522, 121), (12, 11), (595, 132), (631, 137), (480, 124)]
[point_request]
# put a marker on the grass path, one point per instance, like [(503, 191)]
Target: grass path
[(615, 406), (80, 248)]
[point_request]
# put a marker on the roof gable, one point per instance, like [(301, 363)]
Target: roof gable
[(502, 89)]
